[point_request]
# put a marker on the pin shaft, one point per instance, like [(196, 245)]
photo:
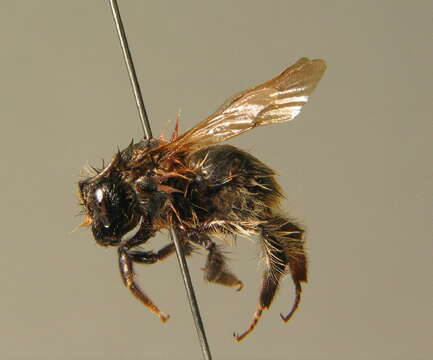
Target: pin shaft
[(148, 135), (131, 70), (191, 296)]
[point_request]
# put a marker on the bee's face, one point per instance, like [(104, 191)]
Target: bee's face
[(109, 205)]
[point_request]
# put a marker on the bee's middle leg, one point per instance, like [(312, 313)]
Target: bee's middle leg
[(216, 269), (150, 257)]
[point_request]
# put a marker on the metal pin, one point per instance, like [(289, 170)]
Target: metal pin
[(148, 135), (131, 70)]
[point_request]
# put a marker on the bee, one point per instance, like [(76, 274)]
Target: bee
[(205, 190)]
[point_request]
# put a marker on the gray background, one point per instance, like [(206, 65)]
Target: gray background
[(356, 167)]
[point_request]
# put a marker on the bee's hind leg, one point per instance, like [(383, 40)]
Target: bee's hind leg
[(283, 249)]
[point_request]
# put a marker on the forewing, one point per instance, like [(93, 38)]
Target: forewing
[(278, 100)]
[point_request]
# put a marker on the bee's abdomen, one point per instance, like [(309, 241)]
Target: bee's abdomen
[(232, 184)]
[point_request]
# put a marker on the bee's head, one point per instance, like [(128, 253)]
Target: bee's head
[(109, 205)]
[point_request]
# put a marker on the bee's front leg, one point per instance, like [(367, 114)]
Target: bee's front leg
[(126, 258)]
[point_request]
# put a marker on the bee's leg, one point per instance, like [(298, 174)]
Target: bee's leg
[(216, 269), (275, 263), (149, 257), (282, 248), (128, 276), (290, 236)]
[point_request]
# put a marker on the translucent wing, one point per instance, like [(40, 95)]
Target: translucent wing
[(278, 100)]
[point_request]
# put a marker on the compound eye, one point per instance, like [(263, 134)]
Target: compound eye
[(101, 206), (99, 195)]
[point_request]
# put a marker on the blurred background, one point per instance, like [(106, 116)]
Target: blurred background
[(356, 166)]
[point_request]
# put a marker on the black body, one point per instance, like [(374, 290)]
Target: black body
[(218, 190), (205, 190)]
